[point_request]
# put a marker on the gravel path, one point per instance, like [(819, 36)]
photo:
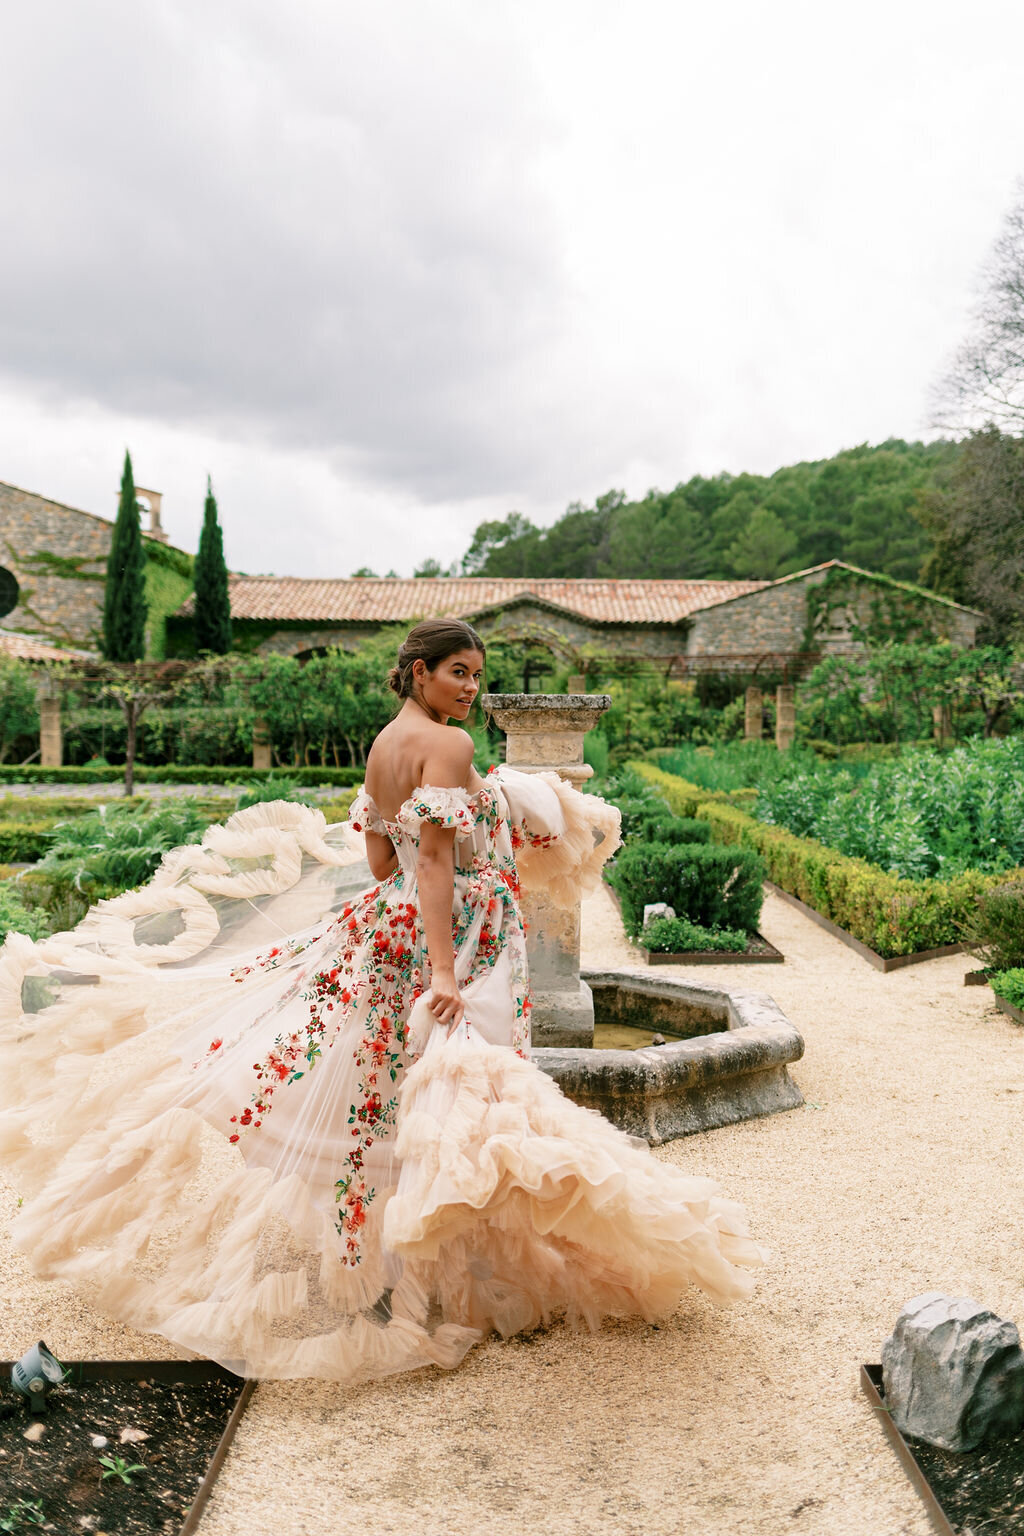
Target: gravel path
[(902, 1173)]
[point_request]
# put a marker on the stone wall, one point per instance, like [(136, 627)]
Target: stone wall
[(58, 557), (770, 626)]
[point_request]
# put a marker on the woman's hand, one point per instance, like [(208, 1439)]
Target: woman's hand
[(446, 1001)]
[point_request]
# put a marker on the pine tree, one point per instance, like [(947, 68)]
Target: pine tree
[(212, 604), (124, 598)]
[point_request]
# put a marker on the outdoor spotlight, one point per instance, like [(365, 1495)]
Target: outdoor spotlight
[(34, 1375)]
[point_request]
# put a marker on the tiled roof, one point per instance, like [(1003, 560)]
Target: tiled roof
[(383, 600), (28, 648)]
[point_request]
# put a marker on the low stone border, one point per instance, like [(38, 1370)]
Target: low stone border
[(663, 1091), (769, 956), (880, 962)]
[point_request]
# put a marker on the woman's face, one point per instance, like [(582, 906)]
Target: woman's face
[(450, 689)]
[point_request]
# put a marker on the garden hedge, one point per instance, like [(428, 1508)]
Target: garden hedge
[(891, 915), (28, 773), (711, 886)]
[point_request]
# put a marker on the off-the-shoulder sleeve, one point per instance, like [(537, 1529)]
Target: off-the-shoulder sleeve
[(442, 805), (561, 838), (363, 815)]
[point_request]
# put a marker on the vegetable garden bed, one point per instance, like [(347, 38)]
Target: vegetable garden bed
[(758, 952), (84, 1472)]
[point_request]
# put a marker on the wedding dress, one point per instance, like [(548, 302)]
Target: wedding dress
[(235, 1125)]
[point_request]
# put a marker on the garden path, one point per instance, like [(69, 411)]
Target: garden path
[(901, 1174)]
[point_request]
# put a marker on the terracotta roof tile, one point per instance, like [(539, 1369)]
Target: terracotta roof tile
[(28, 648), (383, 600)]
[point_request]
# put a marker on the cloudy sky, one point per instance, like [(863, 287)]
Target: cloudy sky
[(384, 271)]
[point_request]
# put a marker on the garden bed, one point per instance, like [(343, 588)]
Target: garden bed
[(880, 962), (182, 1416), (1016, 1014), (758, 952), (967, 1491)]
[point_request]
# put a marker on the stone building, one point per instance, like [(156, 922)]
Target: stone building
[(53, 561), (681, 627)]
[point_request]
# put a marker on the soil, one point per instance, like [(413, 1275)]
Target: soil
[(982, 1491), (62, 1470)]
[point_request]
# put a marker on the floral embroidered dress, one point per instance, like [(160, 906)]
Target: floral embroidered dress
[(295, 1173)]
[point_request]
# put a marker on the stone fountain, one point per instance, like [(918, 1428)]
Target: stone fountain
[(731, 1062)]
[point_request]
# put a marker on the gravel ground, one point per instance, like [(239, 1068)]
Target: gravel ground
[(902, 1173)]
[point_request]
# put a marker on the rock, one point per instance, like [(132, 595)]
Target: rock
[(35, 1431), (655, 909), (133, 1436), (953, 1372), (658, 1040), (99, 1441)]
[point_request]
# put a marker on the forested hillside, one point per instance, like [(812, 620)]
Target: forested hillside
[(858, 506)]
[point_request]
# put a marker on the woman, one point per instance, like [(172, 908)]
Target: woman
[(340, 1162)]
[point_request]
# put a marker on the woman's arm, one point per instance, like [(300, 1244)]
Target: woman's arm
[(447, 767), (380, 855)]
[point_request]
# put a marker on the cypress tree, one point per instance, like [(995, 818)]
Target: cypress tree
[(124, 597), (212, 605)]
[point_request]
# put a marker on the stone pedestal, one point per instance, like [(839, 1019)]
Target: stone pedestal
[(753, 720), (51, 734), (261, 745), (785, 716), (545, 731)]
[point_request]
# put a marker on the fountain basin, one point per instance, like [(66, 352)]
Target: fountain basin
[(731, 1066)]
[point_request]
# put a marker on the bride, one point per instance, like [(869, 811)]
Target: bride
[(292, 1125)]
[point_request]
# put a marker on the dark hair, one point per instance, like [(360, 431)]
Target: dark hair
[(431, 642)]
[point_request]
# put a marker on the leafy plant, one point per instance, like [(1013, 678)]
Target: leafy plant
[(259, 791), (1009, 985), (19, 916), (676, 935), (118, 848), (116, 1466), (994, 930), (23, 1513)]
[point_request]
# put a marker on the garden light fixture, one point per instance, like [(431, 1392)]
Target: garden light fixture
[(34, 1375)]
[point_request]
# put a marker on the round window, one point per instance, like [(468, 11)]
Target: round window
[(8, 591)]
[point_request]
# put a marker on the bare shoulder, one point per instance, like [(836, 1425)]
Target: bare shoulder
[(448, 756)]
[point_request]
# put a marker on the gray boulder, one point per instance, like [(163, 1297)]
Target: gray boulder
[(655, 909), (953, 1372)]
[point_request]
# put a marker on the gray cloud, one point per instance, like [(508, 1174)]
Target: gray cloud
[(325, 235)]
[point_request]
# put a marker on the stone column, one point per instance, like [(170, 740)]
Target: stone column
[(546, 731), (753, 723), (261, 744), (51, 735), (576, 683), (942, 723), (785, 716)]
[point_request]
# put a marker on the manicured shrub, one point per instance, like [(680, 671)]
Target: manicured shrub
[(713, 886), (174, 773), (659, 828), (994, 930), (22, 842), (677, 936)]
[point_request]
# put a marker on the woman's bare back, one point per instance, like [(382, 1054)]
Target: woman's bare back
[(400, 753)]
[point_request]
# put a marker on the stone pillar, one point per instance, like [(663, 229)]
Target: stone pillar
[(785, 716), (577, 683), (942, 723), (753, 723), (51, 735), (546, 731), (261, 744)]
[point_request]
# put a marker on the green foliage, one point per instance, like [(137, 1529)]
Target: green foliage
[(891, 915), (169, 773), (994, 929), (859, 506), (117, 848), (19, 915), (714, 886), (168, 583), (1009, 985), (261, 791), (212, 605), (22, 842), (124, 597), (19, 712), (677, 936), (117, 1466), (22, 1514)]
